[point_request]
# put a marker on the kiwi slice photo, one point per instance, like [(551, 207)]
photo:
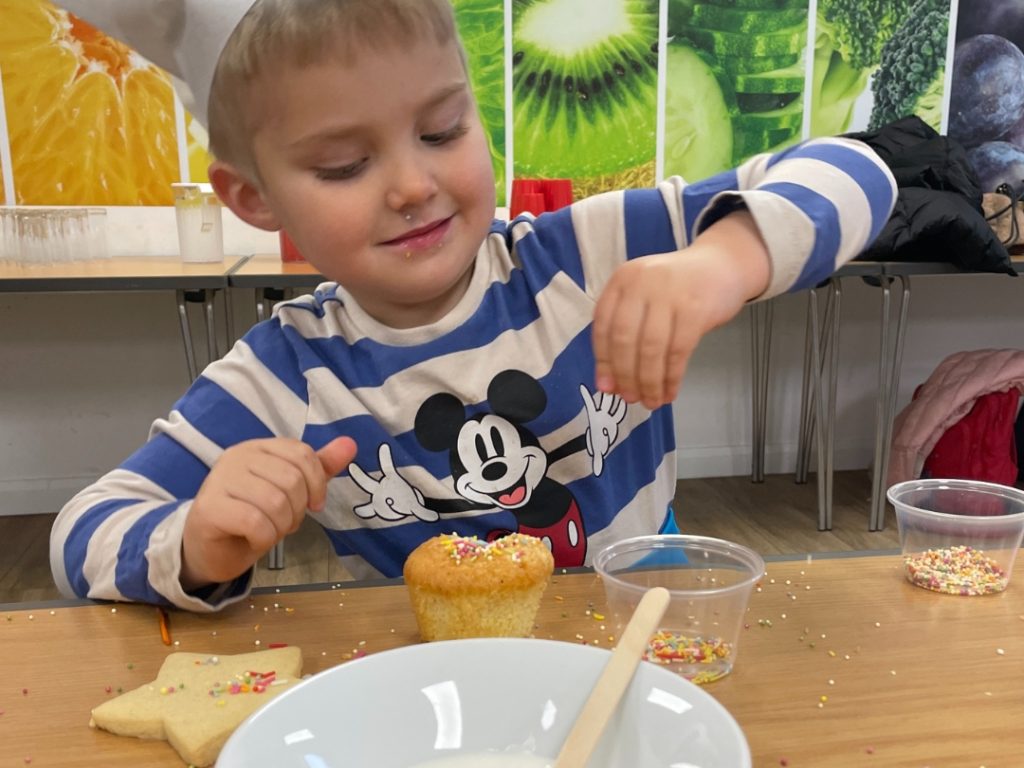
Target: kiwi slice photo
[(584, 79), (699, 107), (482, 30)]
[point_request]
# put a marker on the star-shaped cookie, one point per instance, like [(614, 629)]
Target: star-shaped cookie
[(198, 699)]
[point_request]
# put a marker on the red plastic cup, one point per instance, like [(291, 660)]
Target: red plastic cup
[(527, 197), (557, 193), (289, 252)]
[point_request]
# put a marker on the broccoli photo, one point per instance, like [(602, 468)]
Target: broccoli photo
[(848, 47), (910, 74)]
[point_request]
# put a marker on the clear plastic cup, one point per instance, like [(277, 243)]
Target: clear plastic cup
[(709, 580), (959, 537), (197, 212)]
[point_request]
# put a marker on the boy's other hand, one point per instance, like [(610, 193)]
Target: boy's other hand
[(255, 495), (655, 309)]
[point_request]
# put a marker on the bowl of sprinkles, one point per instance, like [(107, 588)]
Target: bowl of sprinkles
[(959, 537), (709, 580)]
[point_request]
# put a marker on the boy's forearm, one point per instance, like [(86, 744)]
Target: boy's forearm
[(736, 242), (818, 205)]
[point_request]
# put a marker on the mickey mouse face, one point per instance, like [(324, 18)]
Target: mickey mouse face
[(500, 468)]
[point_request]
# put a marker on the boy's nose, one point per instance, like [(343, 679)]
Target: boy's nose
[(412, 184)]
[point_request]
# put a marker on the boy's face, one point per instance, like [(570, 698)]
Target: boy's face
[(381, 174)]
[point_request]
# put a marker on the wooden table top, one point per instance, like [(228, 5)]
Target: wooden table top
[(119, 273), (266, 270), (912, 678)]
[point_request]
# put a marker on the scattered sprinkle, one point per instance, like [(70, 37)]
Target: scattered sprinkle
[(1000, 651)]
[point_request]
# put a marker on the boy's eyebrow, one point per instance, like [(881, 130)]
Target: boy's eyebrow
[(341, 132)]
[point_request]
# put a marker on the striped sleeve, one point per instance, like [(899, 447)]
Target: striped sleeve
[(120, 538), (817, 205)]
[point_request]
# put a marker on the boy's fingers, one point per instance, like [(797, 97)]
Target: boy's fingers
[(624, 341), (604, 314), (246, 521), (334, 457), (653, 349), (680, 350), (270, 500), (298, 455)]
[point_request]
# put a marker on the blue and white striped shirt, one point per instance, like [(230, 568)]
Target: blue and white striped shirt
[(484, 422)]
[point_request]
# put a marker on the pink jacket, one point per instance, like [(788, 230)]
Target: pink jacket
[(946, 397)]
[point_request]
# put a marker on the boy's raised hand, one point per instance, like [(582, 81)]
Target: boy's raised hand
[(256, 494), (655, 309)]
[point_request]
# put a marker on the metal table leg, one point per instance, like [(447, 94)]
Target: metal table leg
[(275, 557), (808, 421), (265, 297), (210, 319), (825, 362), (890, 359), (186, 335), (761, 318), (803, 445), (229, 318)]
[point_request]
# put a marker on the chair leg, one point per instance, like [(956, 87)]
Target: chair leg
[(761, 319)]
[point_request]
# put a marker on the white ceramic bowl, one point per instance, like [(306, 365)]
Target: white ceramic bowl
[(400, 708)]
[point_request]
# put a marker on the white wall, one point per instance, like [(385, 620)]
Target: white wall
[(83, 375)]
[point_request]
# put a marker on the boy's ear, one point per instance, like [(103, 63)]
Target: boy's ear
[(242, 196)]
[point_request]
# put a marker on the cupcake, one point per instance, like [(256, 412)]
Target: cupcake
[(464, 587)]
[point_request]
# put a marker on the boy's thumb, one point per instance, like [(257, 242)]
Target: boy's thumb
[(337, 455)]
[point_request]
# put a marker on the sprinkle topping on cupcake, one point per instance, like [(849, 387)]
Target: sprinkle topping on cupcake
[(471, 548)]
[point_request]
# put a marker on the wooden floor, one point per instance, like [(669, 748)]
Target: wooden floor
[(776, 517)]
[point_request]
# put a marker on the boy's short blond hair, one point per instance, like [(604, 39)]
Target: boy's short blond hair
[(299, 33)]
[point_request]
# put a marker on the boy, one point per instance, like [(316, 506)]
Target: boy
[(495, 376)]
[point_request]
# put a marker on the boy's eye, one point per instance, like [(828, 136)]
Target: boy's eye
[(445, 136), (340, 173)]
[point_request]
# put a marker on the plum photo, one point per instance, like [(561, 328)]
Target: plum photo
[(1005, 17), (987, 97), (998, 162), (1015, 135)]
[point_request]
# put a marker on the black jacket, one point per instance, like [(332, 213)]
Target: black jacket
[(938, 214)]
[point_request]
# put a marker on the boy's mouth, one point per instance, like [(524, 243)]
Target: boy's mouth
[(422, 238)]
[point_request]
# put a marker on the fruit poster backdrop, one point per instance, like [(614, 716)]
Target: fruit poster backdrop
[(986, 111), (90, 122), (599, 92)]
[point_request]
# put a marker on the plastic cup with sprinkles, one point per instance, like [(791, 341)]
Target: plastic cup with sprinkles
[(959, 537), (710, 582)]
